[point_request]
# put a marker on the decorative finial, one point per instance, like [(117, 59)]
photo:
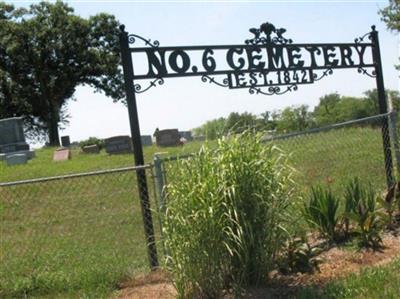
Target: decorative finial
[(122, 27), (267, 33), (373, 27)]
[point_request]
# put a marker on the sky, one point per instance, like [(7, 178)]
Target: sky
[(186, 103)]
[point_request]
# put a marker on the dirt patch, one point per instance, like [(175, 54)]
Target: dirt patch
[(156, 284), (336, 263)]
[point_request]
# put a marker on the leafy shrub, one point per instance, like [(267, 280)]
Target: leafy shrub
[(364, 212), (299, 256), (92, 141), (322, 212), (224, 216)]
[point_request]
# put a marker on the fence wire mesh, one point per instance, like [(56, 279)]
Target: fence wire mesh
[(72, 230), (331, 155), (63, 232)]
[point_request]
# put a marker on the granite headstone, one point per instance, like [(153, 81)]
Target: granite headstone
[(12, 136), (186, 134), (16, 159), (12, 139), (168, 137), (146, 140), (118, 145), (91, 149), (62, 154), (65, 141)]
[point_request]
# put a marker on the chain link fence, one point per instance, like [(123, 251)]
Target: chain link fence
[(64, 232), (330, 155), (68, 231)]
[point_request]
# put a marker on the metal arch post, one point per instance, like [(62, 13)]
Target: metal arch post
[(376, 55), (137, 148)]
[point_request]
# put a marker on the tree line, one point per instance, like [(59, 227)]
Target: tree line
[(332, 108)]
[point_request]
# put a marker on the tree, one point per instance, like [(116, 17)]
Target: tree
[(324, 112), (212, 129), (294, 119), (371, 96), (45, 53), (237, 123), (391, 16), (341, 108), (333, 108)]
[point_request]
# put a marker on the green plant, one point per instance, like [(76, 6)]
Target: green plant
[(354, 192), (225, 211), (361, 208), (391, 202), (364, 212), (370, 282), (322, 212), (299, 256)]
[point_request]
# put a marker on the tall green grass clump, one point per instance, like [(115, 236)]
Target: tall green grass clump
[(322, 212), (225, 213)]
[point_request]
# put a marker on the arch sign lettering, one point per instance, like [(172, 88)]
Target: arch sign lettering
[(266, 63)]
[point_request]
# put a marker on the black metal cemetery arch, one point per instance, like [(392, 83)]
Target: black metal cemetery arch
[(268, 64)]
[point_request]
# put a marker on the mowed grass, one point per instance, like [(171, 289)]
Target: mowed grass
[(44, 166), (372, 283), (334, 157), (79, 238), (76, 237)]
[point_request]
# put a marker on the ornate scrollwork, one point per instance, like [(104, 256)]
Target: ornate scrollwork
[(132, 39), (273, 90), (206, 78), (363, 71), (324, 74), (360, 39), (268, 29), (154, 83)]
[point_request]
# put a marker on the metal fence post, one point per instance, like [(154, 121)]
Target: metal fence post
[(159, 182), (137, 147), (393, 132), (387, 152)]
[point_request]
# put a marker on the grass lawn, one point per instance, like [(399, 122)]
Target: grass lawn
[(372, 283), (77, 237), (81, 237)]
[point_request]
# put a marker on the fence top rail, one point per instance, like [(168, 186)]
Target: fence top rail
[(75, 175), (329, 127), (172, 158), (293, 134)]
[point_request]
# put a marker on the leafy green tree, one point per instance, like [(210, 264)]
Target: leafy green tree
[(267, 120), (45, 53), (237, 123), (333, 108), (293, 119), (234, 123), (212, 129), (324, 112), (371, 96), (391, 16)]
